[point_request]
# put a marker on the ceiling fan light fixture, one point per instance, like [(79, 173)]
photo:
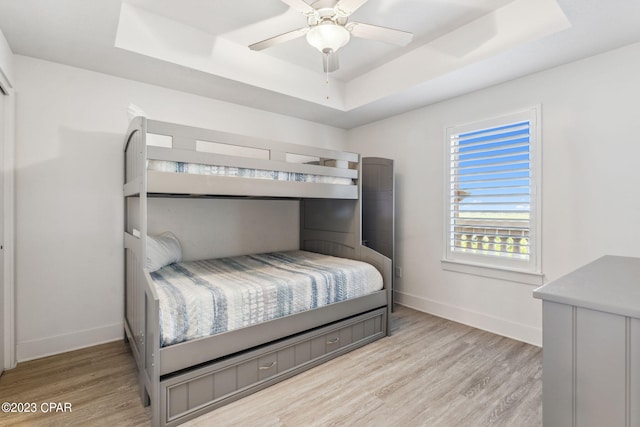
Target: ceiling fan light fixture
[(328, 36)]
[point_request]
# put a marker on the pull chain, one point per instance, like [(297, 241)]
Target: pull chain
[(326, 56)]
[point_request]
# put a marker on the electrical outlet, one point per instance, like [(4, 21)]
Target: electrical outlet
[(399, 272)]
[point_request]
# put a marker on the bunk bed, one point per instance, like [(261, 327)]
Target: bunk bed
[(183, 376)]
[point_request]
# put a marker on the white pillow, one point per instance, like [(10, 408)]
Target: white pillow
[(162, 250)]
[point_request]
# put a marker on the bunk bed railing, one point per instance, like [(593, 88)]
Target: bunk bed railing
[(184, 137), (213, 159), (205, 146), (335, 173)]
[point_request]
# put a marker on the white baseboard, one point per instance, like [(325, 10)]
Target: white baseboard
[(35, 349), (492, 324)]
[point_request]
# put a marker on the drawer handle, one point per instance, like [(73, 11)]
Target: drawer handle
[(264, 368), (333, 341)]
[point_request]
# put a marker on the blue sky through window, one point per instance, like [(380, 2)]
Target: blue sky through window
[(492, 172)]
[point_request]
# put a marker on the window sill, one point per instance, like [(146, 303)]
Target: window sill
[(528, 278)]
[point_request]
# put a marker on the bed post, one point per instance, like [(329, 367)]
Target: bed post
[(152, 344), (334, 227), (136, 314)]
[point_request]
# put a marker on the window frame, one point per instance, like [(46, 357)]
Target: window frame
[(525, 271)]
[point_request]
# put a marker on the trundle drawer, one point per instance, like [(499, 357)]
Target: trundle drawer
[(187, 395)]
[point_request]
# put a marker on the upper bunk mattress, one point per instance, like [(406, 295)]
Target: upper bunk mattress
[(229, 171), (203, 298)]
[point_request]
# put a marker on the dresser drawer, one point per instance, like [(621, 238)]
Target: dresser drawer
[(188, 394)]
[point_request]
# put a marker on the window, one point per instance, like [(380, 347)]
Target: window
[(492, 191)]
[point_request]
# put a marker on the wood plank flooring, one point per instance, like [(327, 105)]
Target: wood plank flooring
[(430, 372), (99, 382)]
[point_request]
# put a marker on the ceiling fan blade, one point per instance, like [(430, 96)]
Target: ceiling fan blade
[(382, 34), (300, 6), (347, 7), (330, 61), (264, 44)]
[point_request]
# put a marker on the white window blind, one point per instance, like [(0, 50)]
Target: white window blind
[(491, 192)]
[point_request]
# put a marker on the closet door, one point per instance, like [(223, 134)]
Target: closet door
[(378, 205), (2, 289)]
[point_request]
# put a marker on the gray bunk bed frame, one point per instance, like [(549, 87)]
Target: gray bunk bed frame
[(186, 380)]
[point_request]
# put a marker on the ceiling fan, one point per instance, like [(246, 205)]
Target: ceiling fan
[(328, 29)]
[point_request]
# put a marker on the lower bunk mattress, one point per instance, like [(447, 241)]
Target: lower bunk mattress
[(203, 298)]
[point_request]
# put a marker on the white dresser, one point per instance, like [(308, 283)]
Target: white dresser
[(591, 345)]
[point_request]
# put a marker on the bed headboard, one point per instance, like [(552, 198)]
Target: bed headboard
[(330, 226)]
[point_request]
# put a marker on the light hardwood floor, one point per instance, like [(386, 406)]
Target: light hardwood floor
[(430, 372), (99, 382)]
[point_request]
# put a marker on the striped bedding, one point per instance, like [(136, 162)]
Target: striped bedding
[(229, 171), (202, 298)]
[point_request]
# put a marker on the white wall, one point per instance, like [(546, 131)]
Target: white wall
[(591, 193), (69, 208), (238, 227)]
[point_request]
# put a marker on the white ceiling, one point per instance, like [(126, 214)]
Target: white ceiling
[(200, 46)]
